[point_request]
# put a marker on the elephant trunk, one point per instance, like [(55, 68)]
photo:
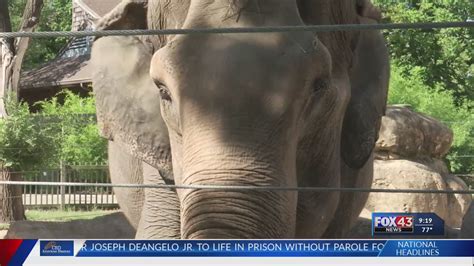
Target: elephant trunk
[(237, 214)]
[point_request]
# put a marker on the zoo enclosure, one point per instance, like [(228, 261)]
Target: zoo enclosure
[(62, 184)]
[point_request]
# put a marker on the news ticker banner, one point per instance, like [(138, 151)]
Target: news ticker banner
[(15, 252)]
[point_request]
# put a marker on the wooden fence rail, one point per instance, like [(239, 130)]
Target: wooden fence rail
[(37, 196)]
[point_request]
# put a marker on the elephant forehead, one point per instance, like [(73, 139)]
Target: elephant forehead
[(234, 64), (166, 14)]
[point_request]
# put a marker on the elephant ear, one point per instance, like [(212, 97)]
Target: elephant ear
[(366, 9), (129, 14), (369, 76), (127, 100)]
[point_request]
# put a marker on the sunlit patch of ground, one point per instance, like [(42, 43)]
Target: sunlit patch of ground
[(64, 216), (57, 216)]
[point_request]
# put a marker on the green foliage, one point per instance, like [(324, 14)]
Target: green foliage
[(440, 104), (60, 132), (79, 135), (445, 58), (433, 70), (55, 16), (24, 143)]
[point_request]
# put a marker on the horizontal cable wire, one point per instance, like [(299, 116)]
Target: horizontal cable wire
[(55, 171), (105, 167), (240, 188), (313, 28), (92, 118), (456, 122)]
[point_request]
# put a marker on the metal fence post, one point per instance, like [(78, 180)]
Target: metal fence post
[(62, 179)]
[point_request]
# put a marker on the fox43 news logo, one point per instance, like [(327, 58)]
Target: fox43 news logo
[(386, 223)]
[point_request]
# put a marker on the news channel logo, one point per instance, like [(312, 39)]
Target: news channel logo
[(407, 224), (56, 248), (393, 224)]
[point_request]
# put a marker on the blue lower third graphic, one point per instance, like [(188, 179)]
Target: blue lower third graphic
[(56, 248), (276, 248)]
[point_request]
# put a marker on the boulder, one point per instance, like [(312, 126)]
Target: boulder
[(458, 204), (437, 165), (408, 156), (407, 134), (404, 174)]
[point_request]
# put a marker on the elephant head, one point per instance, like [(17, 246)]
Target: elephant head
[(239, 109)]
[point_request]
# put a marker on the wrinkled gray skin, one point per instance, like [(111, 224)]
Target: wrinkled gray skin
[(467, 228), (275, 109)]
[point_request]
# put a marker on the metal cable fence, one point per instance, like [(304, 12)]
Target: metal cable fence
[(312, 28), (78, 185), (239, 188)]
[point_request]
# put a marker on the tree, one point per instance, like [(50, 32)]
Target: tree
[(78, 140), (28, 141), (41, 50), (5, 58), (64, 130), (444, 57), (13, 52), (440, 104), (433, 70)]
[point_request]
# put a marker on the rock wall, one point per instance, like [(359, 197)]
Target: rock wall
[(408, 156)]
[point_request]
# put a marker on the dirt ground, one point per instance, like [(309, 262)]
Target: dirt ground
[(111, 226)]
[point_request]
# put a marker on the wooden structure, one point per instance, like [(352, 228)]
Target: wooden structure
[(70, 69)]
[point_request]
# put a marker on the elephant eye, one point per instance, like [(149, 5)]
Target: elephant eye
[(164, 92), (320, 85)]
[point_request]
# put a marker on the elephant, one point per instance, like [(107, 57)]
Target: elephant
[(290, 109)]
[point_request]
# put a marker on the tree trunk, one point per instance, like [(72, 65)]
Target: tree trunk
[(30, 20), (11, 208), (13, 52), (6, 46), (11, 61)]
